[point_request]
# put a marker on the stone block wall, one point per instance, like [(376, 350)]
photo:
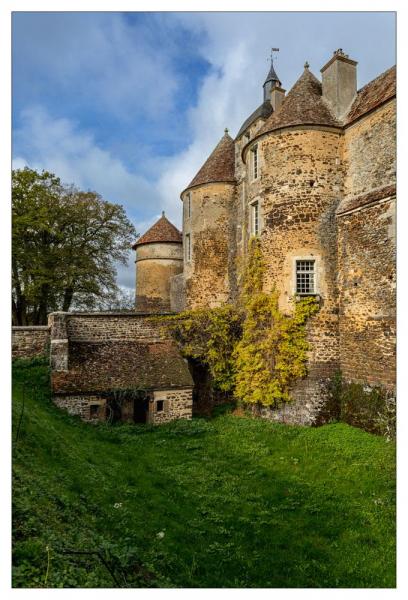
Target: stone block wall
[(177, 404), (156, 264), (207, 274), (298, 191), (177, 293), (367, 284), (370, 151), (81, 406), (30, 341), (99, 327)]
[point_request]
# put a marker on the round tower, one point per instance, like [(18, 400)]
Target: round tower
[(293, 185), (207, 229), (159, 256)]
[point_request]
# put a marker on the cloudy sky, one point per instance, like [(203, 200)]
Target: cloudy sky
[(131, 104)]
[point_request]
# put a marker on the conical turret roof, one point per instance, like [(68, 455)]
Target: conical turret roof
[(272, 76), (303, 105), (219, 166), (161, 231)]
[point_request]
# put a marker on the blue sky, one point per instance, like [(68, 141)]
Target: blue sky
[(131, 104)]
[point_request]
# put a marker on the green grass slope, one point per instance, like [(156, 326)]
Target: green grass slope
[(231, 502)]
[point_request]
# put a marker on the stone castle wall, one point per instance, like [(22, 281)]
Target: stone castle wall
[(298, 191), (367, 250), (370, 151), (99, 327), (156, 264), (367, 280), (30, 341), (207, 274)]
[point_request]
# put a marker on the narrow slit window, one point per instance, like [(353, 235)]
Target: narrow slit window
[(188, 247), (160, 406), (305, 277), (255, 162), (255, 218), (188, 205)]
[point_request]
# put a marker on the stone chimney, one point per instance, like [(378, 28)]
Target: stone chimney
[(339, 82), (277, 96)]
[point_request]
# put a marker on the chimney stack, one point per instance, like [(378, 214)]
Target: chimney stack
[(339, 82), (277, 96)]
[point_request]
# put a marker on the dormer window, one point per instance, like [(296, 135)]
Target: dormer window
[(254, 162)]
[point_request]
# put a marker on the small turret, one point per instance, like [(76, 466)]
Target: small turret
[(159, 256), (271, 81)]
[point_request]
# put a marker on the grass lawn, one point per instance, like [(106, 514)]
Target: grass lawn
[(227, 502)]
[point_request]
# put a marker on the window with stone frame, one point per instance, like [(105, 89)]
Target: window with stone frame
[(255, 218), (188, 205), (160, 406), (305, 277)]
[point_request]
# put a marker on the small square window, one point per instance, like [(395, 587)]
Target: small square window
[(305, 277), (160, 406)]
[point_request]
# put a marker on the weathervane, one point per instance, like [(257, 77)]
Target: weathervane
[(274, 54)]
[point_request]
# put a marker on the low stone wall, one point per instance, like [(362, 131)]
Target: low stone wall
[(81, 406), (98, 327), (30, 341)]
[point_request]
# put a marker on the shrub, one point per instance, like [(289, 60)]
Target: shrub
[(371, 408)]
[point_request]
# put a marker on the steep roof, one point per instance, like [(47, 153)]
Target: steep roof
[(373, 94), (303, 105), (272, 76), (219, 166), (122, 365), (262, 112), (161, 231)]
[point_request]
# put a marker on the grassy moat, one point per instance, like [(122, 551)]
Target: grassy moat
[(227, 502)]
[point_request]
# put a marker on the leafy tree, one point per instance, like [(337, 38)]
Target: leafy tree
[(65, 243)]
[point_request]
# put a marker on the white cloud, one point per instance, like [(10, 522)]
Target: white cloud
[(58, 145)]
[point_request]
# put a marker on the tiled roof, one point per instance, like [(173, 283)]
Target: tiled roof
[(161, 231), (303, 105), (219, 166), (121, 365), (262, 112), (351, 203), (373, 94)]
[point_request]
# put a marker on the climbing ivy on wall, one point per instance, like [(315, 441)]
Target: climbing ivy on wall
[(272, 351), (252, 350), (209, 335)]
